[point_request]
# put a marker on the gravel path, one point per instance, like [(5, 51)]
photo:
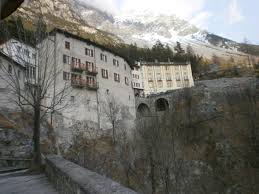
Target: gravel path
[(30, 184)]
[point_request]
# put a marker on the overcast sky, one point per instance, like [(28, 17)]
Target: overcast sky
[(234, 19)]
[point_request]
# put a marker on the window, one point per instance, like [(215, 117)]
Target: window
[(185, 76), (76, 61), (169, 84), (103, 57), (72, 98), (89, 52), (151, 84), (116, 77), (184, 68), (178, 77), (159, 76), (136, 85), (167, 68), (10, 69), (66, 59), (31, 72), (126, 81), (178, 83), (168, 77), (115, 62), (66, 76), (90, 66), (90, 80), (160, 84), (105, 73), (67, 45)]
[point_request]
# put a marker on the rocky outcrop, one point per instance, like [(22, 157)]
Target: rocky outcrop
[(16, 147)]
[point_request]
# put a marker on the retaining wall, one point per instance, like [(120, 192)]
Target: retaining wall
[(69, 178)]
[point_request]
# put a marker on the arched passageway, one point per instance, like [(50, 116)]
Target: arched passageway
[(143, 110), (161, 105)]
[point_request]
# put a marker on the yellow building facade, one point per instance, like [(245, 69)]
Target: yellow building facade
[(164, 76)]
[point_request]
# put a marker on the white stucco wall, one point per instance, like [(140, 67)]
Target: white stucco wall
[(89, 105), (8, 82)]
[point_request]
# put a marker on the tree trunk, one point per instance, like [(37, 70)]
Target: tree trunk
[(113, 132), (36, 139)]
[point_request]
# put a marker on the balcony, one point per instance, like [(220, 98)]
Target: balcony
[(92, 85), (77, 67), (78, 83), (91, 70)]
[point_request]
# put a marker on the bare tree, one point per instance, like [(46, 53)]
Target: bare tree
[(112, 111), (37, 92), (247, 49)]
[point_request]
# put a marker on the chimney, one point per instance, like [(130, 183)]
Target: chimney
[(156, 61), (169, 60)]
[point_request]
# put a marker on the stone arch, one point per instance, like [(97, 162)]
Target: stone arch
[(143, 110), (161, 105)]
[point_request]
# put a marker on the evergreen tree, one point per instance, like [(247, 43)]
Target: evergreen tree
[(189, 51), (178, 48)]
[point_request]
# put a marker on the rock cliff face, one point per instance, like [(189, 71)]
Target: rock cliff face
[(63, 14), (210, 126), (16, 137)]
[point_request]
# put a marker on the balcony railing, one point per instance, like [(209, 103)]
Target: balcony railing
[(92, 70), (78, 67), (78, 83), (92, 85), (82, 83)]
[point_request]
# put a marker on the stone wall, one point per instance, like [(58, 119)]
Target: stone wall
[(70, 178), (208, 90)]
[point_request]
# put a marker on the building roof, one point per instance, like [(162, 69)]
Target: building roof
[(157, 63), (61, 31), (10, 59)]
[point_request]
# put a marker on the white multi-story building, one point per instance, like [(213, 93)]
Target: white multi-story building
[(98, 77), (22, 54), (137, 81), (12, 75), (159, 77)]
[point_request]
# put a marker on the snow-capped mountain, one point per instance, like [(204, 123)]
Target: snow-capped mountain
[(143, 28)]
